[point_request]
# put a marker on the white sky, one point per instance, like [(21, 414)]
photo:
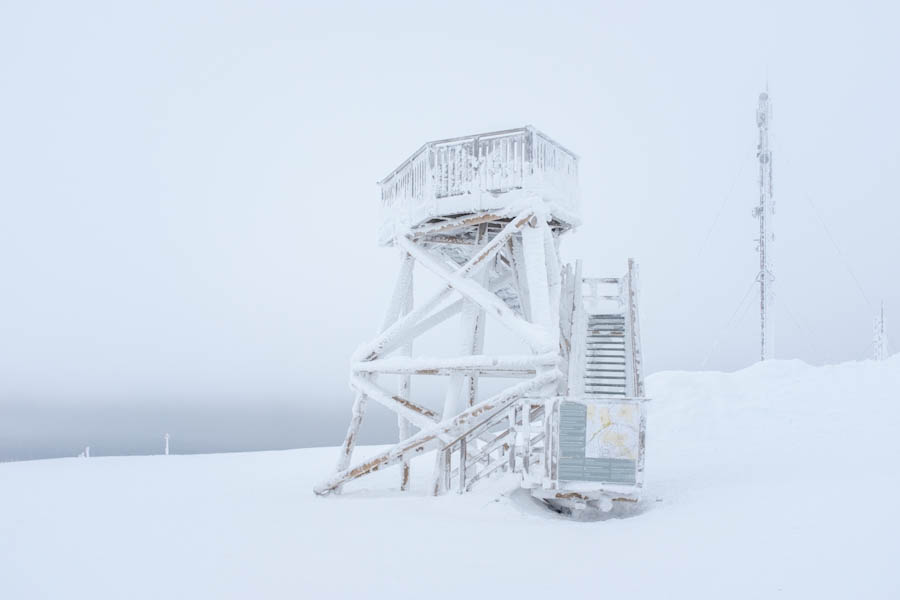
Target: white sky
[(189, 200)]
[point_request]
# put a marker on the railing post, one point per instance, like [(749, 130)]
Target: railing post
[(526, 437), (513, 443), (448, 462), (634, 332), (462, 465)]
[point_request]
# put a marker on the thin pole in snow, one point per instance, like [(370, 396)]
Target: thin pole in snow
[(880, 341)]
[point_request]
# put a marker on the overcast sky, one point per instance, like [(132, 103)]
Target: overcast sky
[(189, 202)]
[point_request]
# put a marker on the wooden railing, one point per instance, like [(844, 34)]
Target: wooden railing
[(507, 442), (630, 297), (599, 294), (491, 163)]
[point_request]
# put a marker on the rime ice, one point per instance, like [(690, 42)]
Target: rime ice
[(486, 214)]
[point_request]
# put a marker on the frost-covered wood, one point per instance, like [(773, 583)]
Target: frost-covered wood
[(474, 363), (490, 171), (430, 437), (405, 381), (485, 215)]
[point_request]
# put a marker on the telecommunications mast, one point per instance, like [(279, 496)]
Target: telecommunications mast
[(881, 351), (765, 212)]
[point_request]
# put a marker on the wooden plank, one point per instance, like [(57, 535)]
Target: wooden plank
[(358, 411), (462, 466), (404, 381), (429, 439), (414, 413), (482, 363), (401, 327), (458, 223), (536, 337)]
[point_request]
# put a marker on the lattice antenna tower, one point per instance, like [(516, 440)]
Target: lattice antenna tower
[(765, 213), (880, 341)]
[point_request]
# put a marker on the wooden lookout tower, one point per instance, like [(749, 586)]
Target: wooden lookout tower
[(485, 214)]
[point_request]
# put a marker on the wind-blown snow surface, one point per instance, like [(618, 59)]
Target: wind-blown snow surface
[(776, 481)]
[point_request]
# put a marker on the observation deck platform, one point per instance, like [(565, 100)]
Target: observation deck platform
[(501, 172)]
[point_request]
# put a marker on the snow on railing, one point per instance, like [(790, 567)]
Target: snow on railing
[(474, 172), (620, 295), (599, 292), (517, 446)]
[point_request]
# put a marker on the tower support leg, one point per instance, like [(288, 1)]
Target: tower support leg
[(401, 293), (403, 388)]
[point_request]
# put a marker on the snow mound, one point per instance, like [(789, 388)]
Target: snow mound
[(780, 479)]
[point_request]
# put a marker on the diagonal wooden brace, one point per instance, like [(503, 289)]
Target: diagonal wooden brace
[(430, 438), (399, 329), (416, 414), (537, 337)]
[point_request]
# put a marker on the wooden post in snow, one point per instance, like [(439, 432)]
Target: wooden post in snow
[(403, 389), (401, 292)]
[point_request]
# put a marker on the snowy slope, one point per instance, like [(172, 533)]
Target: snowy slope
[(776, 481)]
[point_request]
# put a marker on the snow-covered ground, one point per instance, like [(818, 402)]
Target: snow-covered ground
[(776, 481)]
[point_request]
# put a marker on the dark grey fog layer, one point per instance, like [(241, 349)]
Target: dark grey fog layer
[(33, 431)]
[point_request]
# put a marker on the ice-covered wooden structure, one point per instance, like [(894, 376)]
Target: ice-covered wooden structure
[(485, 214)]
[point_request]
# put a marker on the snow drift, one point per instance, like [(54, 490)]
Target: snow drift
[(778, 480)]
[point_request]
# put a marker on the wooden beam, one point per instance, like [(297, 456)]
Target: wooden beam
[(429, 439), (535, 336), (462, 465), (481, 363), (377, 346), (403, 388), (534, 253), (414, 413), (358, 411), (458, 223)]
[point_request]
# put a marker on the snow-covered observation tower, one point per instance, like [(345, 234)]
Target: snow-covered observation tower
[(485, 214)]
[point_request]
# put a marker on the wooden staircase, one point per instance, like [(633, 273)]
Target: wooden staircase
[(605, 370)]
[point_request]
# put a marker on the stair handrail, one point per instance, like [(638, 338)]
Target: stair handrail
[(633, 326)]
